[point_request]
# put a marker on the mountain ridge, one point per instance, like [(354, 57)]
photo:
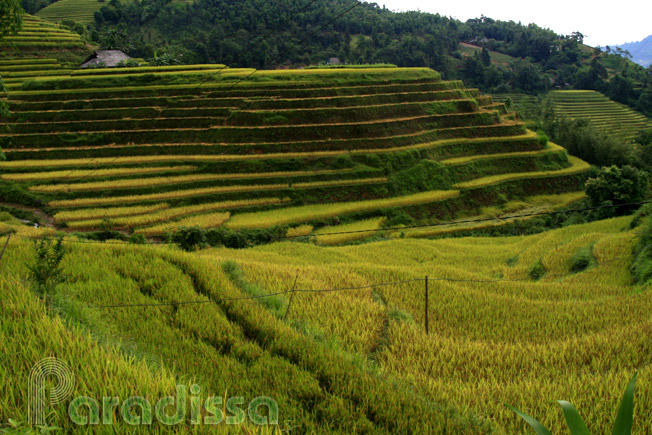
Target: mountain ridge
[(641, 51)]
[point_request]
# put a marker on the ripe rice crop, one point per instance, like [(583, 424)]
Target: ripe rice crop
[(99, 213), (533, 204), (577, 166), (467, 159), (188, 193), (211, 220), (316, 212), (167, 214), (146, 69), (299, 231), (519, 342), (95, 173), (440, 144), (163, 181), (322, 236), (607, 115)]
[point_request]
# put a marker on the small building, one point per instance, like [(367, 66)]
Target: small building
[(334, 61), (105, 58)]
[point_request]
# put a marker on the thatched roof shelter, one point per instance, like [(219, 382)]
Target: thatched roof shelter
[(107, 58)]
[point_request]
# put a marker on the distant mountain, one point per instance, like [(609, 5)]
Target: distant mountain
[(641, 51)]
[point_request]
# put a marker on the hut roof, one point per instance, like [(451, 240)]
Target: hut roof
[(108, 58)]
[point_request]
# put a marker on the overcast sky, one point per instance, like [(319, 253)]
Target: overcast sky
[(608, 23)]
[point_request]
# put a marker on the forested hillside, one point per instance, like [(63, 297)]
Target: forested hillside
[(278, 33)]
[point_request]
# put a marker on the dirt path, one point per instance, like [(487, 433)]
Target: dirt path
[(46, 219)]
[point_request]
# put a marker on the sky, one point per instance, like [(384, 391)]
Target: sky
[(619, 22)]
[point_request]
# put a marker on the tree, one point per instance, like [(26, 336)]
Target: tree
[(485, 57), (11, 17), (46, 272), (618, 186)]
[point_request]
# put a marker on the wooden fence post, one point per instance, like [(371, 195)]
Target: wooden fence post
[(5, 247), (291, 296), (427, 332)]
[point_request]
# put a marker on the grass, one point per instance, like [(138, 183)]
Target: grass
[(439, 148), (505, 213)]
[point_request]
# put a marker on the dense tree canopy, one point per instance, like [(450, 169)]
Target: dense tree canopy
[(11, 17)]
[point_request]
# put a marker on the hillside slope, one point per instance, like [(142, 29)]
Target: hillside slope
[(608, 116), (151, 149), (355, 360)]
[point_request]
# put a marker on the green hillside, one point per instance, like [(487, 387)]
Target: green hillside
[(80, 11), (613, 118), (37, 36), (527, 106), (151, 149)]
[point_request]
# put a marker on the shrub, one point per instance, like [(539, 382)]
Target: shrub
[(45, 271), (617, 186), (542, 138), (582, 259), (537, 271), (641, 269), (190, 238)]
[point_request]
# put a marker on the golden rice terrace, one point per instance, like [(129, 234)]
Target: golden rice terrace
[(150, 149)]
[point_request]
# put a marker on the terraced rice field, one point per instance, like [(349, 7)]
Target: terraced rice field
[(496, 336), (138, 146), (527, 106), (38, 36), (613, 118), (80, 11)]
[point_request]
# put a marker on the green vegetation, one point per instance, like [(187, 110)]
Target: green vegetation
[(318, 142), (606, 115), (618, 186), (622, 425), (46, 271)]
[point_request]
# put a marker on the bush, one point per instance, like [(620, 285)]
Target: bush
[(537, 271), (542, 138), (190, 238), (582, 139), (45, 271), (641, 269), (617, 186), (582, 259)]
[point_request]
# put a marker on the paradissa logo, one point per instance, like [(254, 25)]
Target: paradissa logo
[(172, 411), (137, 410)]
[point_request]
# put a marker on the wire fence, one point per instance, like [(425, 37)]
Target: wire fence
[(292, 291)]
